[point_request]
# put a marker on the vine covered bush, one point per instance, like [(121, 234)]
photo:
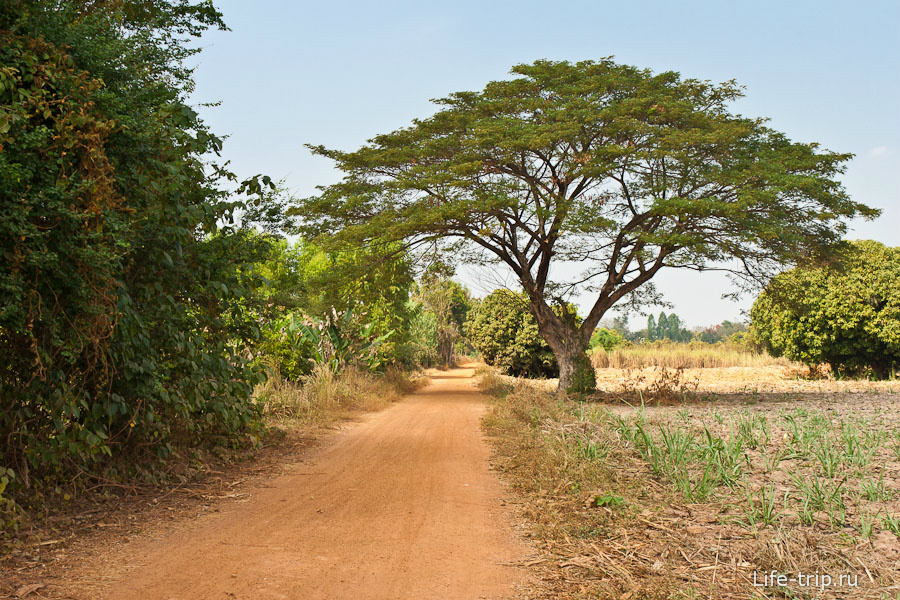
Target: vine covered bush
[(127, 290)]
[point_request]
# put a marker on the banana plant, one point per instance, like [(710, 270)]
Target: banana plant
[(334, 344)]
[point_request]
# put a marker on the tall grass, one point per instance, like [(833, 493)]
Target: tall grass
[(693, 355), (323, 396)]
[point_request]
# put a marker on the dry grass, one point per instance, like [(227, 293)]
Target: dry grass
[(324, 396), (771, 379), (692, 355), (688, 501)]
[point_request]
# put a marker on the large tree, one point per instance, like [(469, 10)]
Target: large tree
[(612, 168)]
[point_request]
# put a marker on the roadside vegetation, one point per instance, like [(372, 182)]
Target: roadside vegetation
[(154, 315), (323, 396), (161, 315)]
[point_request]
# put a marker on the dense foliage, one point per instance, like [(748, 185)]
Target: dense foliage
[(340, 295), (606, 339), (846, 314), (505, 333), (126, 292), (618, 169)]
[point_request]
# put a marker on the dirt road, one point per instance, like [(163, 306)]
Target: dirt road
[(402, 505)]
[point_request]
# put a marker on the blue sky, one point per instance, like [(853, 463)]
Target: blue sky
[(338, 73)]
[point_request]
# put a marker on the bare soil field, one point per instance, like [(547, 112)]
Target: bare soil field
[(738, 476)]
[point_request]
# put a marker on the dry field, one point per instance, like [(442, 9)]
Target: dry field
[(712, 383), (682, 355), (706, 483)]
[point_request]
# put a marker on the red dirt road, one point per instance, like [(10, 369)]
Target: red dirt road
[(402, 505)]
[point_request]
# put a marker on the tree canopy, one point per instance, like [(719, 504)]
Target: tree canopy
[(615, 169), (846, 314), (506, 335)]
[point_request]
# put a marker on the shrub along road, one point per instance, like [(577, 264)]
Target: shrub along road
[(402, 505)]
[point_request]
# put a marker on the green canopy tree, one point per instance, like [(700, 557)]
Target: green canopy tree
[(846, 314), (614, 169), (505, 333)]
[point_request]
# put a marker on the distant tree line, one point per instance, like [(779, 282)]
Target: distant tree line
[(724, 331), (670, 327), (666, 327)]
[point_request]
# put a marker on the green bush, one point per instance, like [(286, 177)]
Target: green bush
[(126, 290), (505, 333), (287, 354), (606, 339), (846, 315)]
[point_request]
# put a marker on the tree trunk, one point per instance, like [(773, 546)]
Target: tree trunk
[(445, 350), (576, 374), (569, 344)]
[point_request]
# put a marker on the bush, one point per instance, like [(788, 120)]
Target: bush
[(505, 333), (846, 315), (283, 352), (125, 287), (606, 339)]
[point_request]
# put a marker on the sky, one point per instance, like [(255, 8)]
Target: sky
[(338, 73)]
